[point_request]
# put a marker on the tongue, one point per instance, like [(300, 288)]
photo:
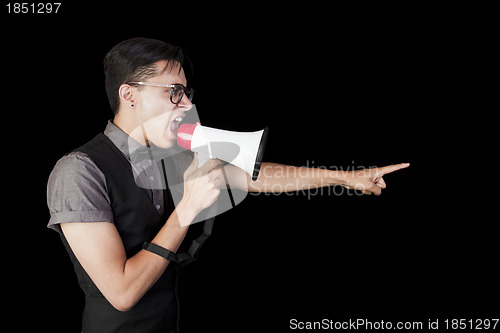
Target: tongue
[(173, 126)]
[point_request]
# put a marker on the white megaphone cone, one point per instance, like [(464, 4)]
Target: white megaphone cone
[(242, 149)]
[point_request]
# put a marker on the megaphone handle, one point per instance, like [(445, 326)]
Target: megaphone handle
[(202, 160), (228, 188), (209, 151)]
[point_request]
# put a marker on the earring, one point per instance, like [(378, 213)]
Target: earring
[(132, 105)]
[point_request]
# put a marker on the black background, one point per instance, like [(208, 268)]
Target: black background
[(337, 86)]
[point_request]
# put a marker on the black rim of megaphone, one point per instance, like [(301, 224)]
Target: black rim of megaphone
[(260, 154)]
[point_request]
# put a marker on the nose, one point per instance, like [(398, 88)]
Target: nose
[(185, 104)]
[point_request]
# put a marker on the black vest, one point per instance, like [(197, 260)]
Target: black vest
[(137, 221)]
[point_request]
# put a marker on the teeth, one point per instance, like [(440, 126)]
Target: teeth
[(178, 119)]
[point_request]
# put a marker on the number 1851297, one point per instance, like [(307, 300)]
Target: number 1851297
[(33, 8)]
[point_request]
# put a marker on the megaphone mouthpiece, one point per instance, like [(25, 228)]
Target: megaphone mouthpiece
[(215, 143), (185, 135)]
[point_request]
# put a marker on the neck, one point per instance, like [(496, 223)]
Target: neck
[(131, 127)]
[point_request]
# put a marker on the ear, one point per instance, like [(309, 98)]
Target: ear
[(126, 95)]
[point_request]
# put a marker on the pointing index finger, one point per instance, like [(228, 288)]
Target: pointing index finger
[(391, 168)]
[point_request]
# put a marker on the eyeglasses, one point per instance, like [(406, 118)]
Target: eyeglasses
[(176, 93)]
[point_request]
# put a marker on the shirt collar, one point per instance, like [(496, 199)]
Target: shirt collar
[(127, 145), (121, 140)]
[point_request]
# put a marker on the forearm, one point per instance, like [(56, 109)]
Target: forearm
[(279, 178), (201, 189), (141, 271)]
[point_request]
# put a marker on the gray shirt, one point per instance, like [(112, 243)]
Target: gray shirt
[(77, 190)]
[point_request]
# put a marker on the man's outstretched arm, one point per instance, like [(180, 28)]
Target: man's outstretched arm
[(278, 178)]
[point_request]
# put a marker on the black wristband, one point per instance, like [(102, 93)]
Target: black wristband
[(161, 251)]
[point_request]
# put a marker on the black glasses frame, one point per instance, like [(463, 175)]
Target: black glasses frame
[(189, 92)]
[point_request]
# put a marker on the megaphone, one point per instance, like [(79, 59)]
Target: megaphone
[(242, 149)]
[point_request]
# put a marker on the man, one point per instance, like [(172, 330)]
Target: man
[(121, 236)]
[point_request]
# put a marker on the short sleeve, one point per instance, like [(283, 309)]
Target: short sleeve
[(77, 192)]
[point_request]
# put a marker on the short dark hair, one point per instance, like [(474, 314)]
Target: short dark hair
[(134, 60)]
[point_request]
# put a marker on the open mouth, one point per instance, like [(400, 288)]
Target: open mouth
[(174, 125)]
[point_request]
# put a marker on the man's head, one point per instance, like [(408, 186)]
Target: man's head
[(145, 84)]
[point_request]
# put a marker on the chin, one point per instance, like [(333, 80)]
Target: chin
[(168, 140)]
